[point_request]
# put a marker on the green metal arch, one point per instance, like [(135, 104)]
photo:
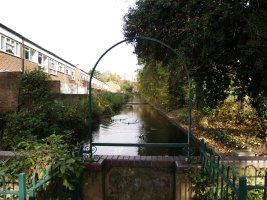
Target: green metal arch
[(132, 39)]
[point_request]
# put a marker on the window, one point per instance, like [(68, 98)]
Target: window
[(40, 59), (84, 78), (10, 46), (53, 67), (26, 53), (32, 55), (59, 67), (45, 62), (17, 48), (3, 43), (63, 68), (72, 75), (52, 64), (67, 71)]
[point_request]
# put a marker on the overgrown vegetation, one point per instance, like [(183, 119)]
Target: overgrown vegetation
[(48, 128), (223, 44), (54, 153)]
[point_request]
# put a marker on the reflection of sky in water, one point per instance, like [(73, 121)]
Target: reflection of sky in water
[(122, 128), (135, 124)]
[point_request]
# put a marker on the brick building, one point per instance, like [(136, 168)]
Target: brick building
[(19, 54)]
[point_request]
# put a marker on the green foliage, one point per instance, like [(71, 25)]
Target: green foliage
[(157, 84), (201, 183), (51, 153), (223, 43), (261, 103), (42, 113), (107, 76), (42, 132), (255, 195), (127, 86), (108, 102), (34, 87)]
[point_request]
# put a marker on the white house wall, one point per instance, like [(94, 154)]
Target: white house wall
[(68, 88), (10, 35)]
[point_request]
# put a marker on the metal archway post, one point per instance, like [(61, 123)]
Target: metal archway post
[(90, 88)]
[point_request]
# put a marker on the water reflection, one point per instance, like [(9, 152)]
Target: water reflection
[(138, 123)]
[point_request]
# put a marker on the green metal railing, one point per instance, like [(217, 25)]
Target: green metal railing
[(224, 182), (40, 184), (151, 145), (18, 189), (21, 184)]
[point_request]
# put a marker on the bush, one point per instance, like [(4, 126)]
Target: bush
[(42, 113), (51, 153), (108, 102)]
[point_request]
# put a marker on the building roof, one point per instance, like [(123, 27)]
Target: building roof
[(26, 39)]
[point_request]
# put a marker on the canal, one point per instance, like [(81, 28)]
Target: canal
[(137, 122)]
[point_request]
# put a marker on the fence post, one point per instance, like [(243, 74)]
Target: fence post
[(265, 184), (242, 190), (22, 186)]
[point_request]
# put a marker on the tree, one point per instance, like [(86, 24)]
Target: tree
[(42, 113), (223, 43), (126, 86)]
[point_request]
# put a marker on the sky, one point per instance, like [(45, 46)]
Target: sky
[(79, 31)]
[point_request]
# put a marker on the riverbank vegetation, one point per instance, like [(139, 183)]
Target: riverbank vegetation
[(224, 46), (47, 130)]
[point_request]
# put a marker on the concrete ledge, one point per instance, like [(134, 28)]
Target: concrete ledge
[(179, 162), (243, 152)]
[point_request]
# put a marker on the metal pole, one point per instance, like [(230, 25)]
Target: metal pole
[(265, 184), (242, 190), (22, 186)]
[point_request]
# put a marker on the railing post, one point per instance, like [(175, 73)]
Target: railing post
[(265, 184), (31, 194), (242, 190), (22, 186)]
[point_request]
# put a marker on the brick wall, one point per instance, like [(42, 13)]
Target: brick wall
[(138, 177), (14, 63), (10, 62), (54, 86), (29, 66), (9, 91), (61, 77)]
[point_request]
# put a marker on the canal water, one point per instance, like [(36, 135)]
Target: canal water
[(137, 122)]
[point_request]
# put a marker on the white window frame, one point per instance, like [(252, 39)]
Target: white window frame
[(67, 70), (10, 46), (13, 44), (42, 59), (63, 68), (28, 50), (32, 55), (52, 67), (72, 75), (3, 40), (59, 67)]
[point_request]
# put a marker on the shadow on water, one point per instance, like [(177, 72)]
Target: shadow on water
[(137, 123)]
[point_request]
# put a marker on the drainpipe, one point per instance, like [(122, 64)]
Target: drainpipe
[(22, 56), (22, 69)]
